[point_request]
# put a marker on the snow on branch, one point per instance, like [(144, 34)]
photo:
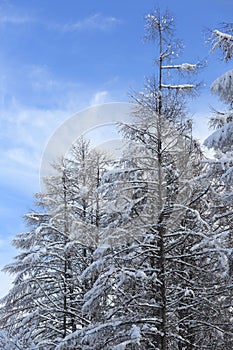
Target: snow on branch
[(220, 118), (221, 138), (223, 87), (224, 42), (179, 87), (187, 67)]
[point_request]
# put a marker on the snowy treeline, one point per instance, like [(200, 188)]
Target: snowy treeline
[(135, 253)]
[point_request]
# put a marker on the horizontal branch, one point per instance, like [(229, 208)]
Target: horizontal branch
[(184, 66), (179, 87)]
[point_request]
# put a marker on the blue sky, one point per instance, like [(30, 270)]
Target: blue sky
[(58, 57)]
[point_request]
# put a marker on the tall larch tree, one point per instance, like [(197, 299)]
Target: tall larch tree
[(154, 286)]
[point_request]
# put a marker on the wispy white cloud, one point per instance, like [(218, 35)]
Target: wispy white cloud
[(46, 90), (13, 15), (93, 22), (24, 134), (15, 19), (99, 98), (40, 78), (26, 124)]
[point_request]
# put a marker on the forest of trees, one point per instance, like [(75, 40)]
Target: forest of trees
[(135, 253)]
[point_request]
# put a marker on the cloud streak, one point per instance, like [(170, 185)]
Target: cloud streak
[(15, 19), (93, 22), (13, 15)]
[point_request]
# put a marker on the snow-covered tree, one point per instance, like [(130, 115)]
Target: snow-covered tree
[(7, 343), (44, 304), (137, 253), (222, 122), (33, 308), (155, 281), (220, 173)]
